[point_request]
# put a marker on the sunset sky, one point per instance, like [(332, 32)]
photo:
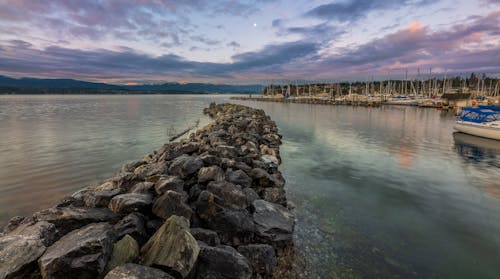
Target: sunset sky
[(141, 41)]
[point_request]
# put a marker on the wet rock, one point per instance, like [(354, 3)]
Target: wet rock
[(130, 202), (212, 173), (83, 253), (231, 194), (262, 258), (234, 225), (251, 195), (14, 222), (172, 246), (142, 187), (135, 271), (124, 251), (171, 203), (262, 178), (151, 169), (239, 177), (124, 180), (173, 183), (274, 195), (185, 165), (67, 219), (207, 236), (100, 198), (222, 262), (133, 225), (273, 222)]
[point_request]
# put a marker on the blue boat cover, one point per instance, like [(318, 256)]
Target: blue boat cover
[(480, 115)]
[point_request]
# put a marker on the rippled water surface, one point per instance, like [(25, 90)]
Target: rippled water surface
[(390, 192), (385, 192)]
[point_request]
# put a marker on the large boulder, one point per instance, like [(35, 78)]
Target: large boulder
[(100, 198), (173, 183), (234, 225), (133, 225), (208, 205), (151, 169), (82, 253), (124, 251), (135, 271), (273, 222), (185, 165), (171, 203), (230, 193), (20, 248), (239, 177), (274, 195), (222, 262), (130, 202), (262, 257), (67, 219), (262, 178), (172, 247), (212, 173), (142, 187)]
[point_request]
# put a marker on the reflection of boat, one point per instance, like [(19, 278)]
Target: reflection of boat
[(483, 121), (477, 149)]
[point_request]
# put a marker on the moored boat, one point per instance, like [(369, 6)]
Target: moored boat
[(483, 121)]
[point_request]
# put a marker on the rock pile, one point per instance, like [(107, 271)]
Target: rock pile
[(210, 206)]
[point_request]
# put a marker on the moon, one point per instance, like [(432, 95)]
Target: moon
[(255, 24)]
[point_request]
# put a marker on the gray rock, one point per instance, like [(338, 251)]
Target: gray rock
[(251, 195), (124, 251), (207, 236), (130, 202), (185, 165), (135, 271), (142, 187), (151, 169), (262, 257), (14, 222), (226, 151), (100, 198), (172, 247), (210, 160), (67, 219), (131, 166), (222, 262), (262, 178), (189, 147), (124, 180), (274, 195), (231, 194), (173, 183), (208, 205), (239, 177), (212, 173), (171, 203), (234, 225), (133, 225), (83, 253), (270, 159), (273, 221)]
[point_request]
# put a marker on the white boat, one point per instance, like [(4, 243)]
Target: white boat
[(483, 121)]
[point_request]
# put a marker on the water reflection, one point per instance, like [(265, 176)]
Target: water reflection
[(477, 149)]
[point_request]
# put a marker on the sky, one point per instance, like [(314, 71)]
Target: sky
[(247, 42)]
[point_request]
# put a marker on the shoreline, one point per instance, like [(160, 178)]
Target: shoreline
[(215, 199)]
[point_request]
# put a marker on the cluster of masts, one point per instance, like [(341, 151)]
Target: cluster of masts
[(432, 87)]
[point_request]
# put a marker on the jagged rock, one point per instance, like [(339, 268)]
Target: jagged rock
[(67, 219), (133, 225), (234, 225), (273, 221), (82, 253), (124, 180), (171, 203), (251, 195), (262, 257), (130, 202), (231, 194), (207, 236), (165, 184), (124, 251), (14, 222), (239, 177), (100, 198), (189, 147), (142, 187), (210, 160), (274, 195), (172, 246), (207, 205), (151, 169), (222, 262), (131, 166), (185, 165), (135, 271), (262, 178), (212, 173)]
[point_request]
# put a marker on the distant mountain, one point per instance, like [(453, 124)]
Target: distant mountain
[(166, 87)]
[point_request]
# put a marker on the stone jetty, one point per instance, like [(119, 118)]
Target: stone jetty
[(212, 205)]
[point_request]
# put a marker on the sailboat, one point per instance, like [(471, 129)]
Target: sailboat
[(483, 121)]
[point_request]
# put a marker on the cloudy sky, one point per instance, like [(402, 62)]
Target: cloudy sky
[(236, 41)]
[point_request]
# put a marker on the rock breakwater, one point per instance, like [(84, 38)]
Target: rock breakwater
[(212, 205)]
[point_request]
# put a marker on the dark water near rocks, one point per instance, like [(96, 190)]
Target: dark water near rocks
[(380, 192)]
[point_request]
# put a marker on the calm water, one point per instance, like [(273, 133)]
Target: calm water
[(384, 192)]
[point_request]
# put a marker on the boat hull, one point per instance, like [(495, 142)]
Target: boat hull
[(478, 130)]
